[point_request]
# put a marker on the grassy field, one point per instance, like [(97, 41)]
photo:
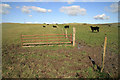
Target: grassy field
[(59, 61)]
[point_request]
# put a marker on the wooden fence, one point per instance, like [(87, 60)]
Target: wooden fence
[(47, 39)]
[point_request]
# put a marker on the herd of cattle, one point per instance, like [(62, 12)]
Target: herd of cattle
[(67, 26), (56, 26)]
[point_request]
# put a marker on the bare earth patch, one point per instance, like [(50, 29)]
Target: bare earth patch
[(60, 63)]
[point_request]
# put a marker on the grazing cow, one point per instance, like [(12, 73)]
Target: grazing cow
[(66, 26), (44, 26), (109, 25), (54, 26), (94, 28), (84, 23), (47, 24)]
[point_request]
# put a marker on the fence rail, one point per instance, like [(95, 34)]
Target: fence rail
[(42, 37), (45, 39), (46, 34), (46, 43), (48, 39)]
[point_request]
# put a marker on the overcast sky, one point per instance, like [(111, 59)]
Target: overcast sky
[(59, 12)]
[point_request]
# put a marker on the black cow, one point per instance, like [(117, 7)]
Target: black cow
[(47, 24), (66, 26), (94, 28), (109, 25), (44, 26), (54, 26)]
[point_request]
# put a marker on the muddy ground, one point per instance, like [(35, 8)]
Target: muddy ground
[(20, 62)]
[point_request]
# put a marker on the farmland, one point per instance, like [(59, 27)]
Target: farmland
[(59, 61)]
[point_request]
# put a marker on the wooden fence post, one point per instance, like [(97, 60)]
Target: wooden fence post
[(74, 36), (66, 33), (104, 53), (21, 40)]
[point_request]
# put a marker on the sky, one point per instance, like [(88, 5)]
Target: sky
[(59, 12), (60, 0)]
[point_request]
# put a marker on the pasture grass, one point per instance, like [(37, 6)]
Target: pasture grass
[(11, 33), (52, 61)]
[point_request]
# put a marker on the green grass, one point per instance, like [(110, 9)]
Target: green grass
[(11, 33), (94, 74), (14, 55)]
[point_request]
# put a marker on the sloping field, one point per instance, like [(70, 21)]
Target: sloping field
[(59, 61)]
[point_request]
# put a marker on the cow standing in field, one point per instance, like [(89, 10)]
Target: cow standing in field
[(66, 26), (109, 25), (44, 26), (54, 26), (94, 28)]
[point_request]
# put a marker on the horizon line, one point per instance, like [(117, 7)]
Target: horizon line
[(61, 23)]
